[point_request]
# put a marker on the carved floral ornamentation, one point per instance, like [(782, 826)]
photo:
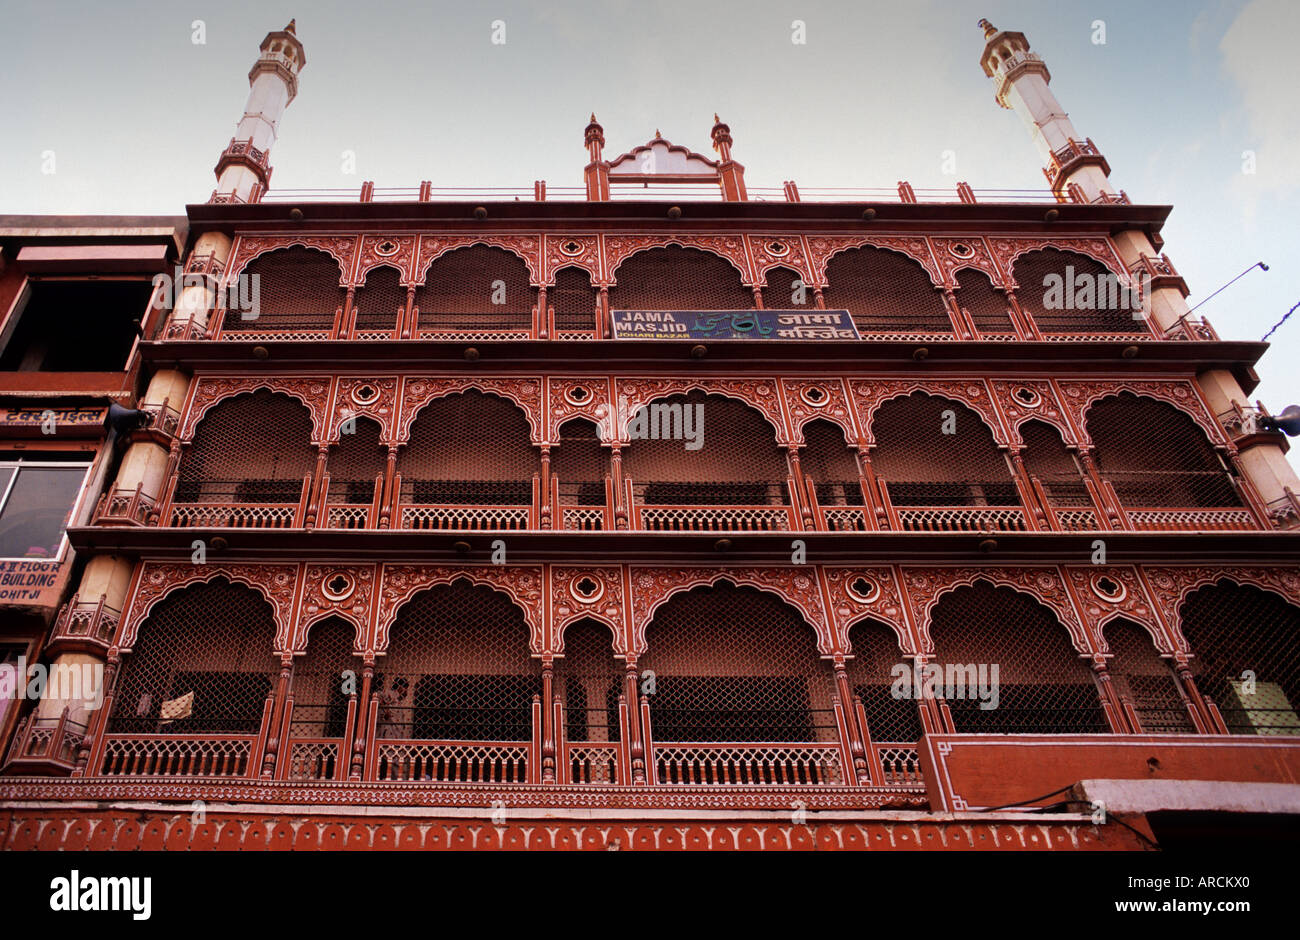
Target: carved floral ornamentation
[(1128, 600), (276, 583), (339, 247), (399, 583), (344, 591), (527, 247), (418, 391), (870, 394), (926, 585), (1007, 250), (858, 594), (796, 585), (825, 247), (955, 254), (563, 251), (209, 390), (761, 394), (358, 396), (766, 255), (396, 251), (1021, 400), (809, 399), (1078, 397), (1170, 587), (568, 398), (619, 247), (586, 591)]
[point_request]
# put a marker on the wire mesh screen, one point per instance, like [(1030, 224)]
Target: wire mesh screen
[(574, 301), (891, 718), (786, 290), (886, 292), (469, 449), (355, 463), (324, 680), (297, 289), (249, 449), (1243, 642), (1155, 455), (987, 306), (203, 663), (1093, 304), (1142, 678), (379, 302), (675, 278), (580, 464), (830, 463), (1048, 459), (734, 664), (1042, 687), (475, 289), (458, 668), (588, 681), (737, 460), (933, 451)]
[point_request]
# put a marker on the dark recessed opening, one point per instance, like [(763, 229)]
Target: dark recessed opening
[(75, 326)]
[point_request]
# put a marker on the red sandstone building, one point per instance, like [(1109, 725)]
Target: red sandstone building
[(618, 508)]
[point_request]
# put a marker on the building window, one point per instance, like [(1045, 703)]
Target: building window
[(37, 501), (74, 326)]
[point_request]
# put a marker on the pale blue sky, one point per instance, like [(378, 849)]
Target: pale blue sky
[(136, 114)]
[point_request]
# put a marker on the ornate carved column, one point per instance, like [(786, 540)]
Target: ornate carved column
[(856, 734), (636, 747)]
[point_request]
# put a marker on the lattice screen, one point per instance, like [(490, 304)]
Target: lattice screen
[(830, 463), (1046, 457), (986, 304), (1032, 271), (458, 668), (249, 449), (469, 449), (298, 289), (1155, 455), (214, 640), (923, 466), (457, 294), (320, 704), (890, 719), (735, 664), (1043, 685), (675, 278), (588, 681), (1140, 676), (739, 462), (782, 291), (380, 301), (574, 300), (1234, 631), (580, 464), (886, 292), (355, 463)]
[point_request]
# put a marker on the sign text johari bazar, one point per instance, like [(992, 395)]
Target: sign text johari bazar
[(734, 324)]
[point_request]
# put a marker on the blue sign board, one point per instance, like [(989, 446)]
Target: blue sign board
[(808, 323)]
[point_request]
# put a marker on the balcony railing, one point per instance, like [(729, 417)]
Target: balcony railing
[(178, 755), (950, 509), (689, 507), (45, 745), (240, 504), (480, 505)]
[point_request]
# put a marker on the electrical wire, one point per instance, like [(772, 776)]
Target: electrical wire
[(1286, 317)]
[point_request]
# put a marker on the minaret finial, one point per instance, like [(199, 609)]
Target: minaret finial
[(593, 117), (290, 28), (989, 29)]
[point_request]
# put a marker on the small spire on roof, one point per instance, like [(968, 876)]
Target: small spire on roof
[(593, 117), (989, 29), (290, 28)]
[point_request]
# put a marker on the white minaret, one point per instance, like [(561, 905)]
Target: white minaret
[(244, 170), (1020, 82)]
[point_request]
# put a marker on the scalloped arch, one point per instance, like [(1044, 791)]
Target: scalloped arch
[(622, 257)]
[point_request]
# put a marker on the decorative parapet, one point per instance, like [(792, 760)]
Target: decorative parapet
[(1160, 272), (87, 623), (1074, 155)]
